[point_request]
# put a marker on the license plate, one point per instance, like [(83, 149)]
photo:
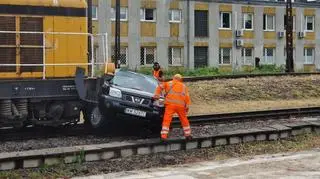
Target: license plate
[(135, 112)]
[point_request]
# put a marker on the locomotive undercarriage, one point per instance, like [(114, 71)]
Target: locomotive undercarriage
[(51, 102), (22, 112)]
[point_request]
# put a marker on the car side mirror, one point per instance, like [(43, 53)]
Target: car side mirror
[(105, 87)]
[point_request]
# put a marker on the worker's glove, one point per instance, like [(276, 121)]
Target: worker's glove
[(156, 97)]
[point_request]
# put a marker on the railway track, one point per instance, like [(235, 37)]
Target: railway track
[(235, 76), (81, 130), (111, 150)]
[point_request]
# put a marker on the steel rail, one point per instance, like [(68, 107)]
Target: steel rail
[(253, 115), (248, 75), (81, 130)]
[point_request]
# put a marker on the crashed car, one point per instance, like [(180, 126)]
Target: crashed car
[(128, 96)]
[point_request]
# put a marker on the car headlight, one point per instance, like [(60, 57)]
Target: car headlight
[(159, 102), (115, 93)]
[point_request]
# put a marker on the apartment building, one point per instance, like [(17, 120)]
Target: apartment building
[(226, 34)]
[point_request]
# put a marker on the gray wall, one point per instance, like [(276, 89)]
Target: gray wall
[(163, 33)]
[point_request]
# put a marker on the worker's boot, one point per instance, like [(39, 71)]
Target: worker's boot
[(164, 138)]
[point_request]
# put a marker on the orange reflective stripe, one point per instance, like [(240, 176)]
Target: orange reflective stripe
[(164, 132), (186, 128), (175, 101), (165, 128)]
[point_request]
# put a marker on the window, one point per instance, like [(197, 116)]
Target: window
[(269, 55), (247, 21), (123, 14), (294, 22), (175, 56), (175, 16), (201, 23), (309, 23), (268, 22), (147, 55), (147, 14), (247, 56), (94, 13), (225, 56), (225, 20), (123, 55), (309, 55)]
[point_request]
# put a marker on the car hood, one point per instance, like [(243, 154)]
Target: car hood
[(134, 91)]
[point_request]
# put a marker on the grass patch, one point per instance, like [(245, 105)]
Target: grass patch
[(299, 143), (213, 71)]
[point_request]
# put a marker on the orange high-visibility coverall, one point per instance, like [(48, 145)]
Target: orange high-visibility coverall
[(177, 100), (158, 74)]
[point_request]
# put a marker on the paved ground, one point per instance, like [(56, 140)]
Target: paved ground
[(280, 166)]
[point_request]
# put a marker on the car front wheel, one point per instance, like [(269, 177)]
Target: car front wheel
[(97, 119)]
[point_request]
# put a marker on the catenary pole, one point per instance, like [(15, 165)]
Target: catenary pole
[(289, 38)]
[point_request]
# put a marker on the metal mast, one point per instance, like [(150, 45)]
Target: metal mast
[(117, 35), (89, 28), (289, 37)]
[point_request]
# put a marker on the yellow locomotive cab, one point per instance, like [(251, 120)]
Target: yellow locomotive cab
[(50, 3), (37, 32)]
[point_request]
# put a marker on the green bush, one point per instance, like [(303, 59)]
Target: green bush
[(212, 71), (269, 69)]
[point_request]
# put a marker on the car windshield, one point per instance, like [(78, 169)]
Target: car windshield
[(136, 81)]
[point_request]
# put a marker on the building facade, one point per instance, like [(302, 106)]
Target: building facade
[(226, 34)]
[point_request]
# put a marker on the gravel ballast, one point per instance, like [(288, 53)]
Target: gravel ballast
[(206, 130), (138, 162)]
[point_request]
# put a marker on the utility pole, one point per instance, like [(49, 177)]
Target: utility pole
[(289, 39), (117, 35)]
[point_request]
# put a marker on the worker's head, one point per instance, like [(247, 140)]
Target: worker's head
[(177, 77), (156, 66)]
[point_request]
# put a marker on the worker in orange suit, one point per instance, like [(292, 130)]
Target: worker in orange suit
[(157, 72), (177, 101)]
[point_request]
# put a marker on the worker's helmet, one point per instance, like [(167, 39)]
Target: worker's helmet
[(177, 77)]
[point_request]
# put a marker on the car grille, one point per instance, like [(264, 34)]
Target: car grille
[(138, 100)]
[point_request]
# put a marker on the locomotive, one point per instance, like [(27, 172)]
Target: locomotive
[(47, 73), (42, 43)]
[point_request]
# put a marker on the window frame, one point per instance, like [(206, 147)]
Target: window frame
[(244, 57), (143, 10), (201, 31), (121, 8), (221, 60), (145, 56), (306, 24), (221, 20), (306, 57), (265, 55), (171, 19), (171, 49), (96, 14), (265, 20), (244, 21)]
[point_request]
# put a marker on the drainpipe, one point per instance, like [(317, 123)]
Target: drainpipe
[(188, 34)]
